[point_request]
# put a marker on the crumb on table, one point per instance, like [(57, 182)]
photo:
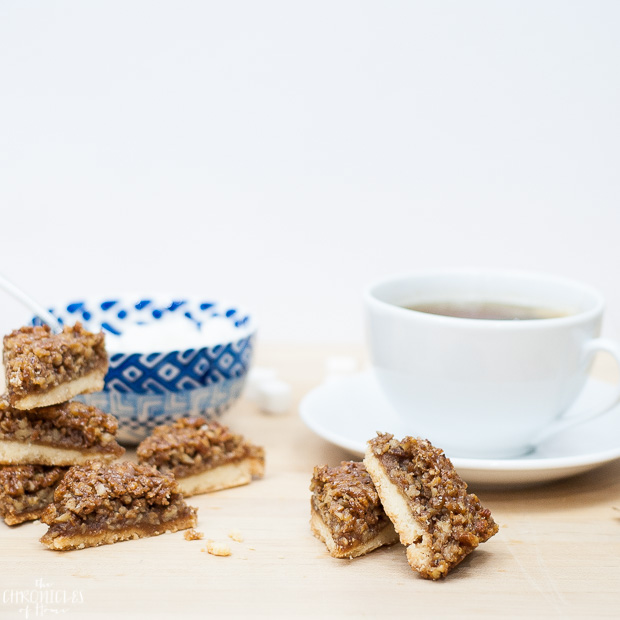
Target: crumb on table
[(236, 535), (218, 548)]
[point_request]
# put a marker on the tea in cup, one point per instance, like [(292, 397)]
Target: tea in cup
[(485, 364)]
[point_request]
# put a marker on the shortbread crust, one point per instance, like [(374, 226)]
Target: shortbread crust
[(18, 453), (222, 477), (92, 382)]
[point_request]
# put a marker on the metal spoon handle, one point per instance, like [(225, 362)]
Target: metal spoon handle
[(38, 310)]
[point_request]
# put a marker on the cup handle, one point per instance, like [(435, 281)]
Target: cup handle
[(590, 349)]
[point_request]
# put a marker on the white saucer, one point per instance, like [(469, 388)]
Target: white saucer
[(350, 410)]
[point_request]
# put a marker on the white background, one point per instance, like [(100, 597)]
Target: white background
[(284, 154)]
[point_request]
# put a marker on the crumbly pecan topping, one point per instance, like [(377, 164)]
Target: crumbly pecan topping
[(36, 360), (347, 501), (26, 490), (91, 486), (191, 445), (18, 480), (437, 497), (68, 425)]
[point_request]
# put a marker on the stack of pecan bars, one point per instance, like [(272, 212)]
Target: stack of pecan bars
[(42, 431), (59, 457)]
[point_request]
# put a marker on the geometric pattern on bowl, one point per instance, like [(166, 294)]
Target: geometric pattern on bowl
[(139, 414), (179, 370)]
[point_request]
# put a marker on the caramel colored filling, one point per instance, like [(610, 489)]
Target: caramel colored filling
[(71, 425), (347, 502)]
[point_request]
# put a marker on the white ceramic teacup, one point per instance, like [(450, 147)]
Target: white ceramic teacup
[(483, 387)]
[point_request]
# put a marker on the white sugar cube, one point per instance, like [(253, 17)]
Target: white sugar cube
[(275, 396), (256, 376)]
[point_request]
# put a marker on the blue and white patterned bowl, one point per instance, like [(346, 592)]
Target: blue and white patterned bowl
[(146, 387)]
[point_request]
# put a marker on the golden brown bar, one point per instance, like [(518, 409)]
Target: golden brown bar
[(203, 455), (99, 503), (43, 368), (437, 520)]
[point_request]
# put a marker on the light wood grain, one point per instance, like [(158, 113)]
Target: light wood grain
[(557, 554)]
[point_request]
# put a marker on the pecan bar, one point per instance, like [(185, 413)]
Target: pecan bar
[(203, 455), (345, 511), (66, 434), (26, 490), (100, 503), (437, 520), (43, 368)]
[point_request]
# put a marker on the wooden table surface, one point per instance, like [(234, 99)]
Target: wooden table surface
[(557, 554)]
